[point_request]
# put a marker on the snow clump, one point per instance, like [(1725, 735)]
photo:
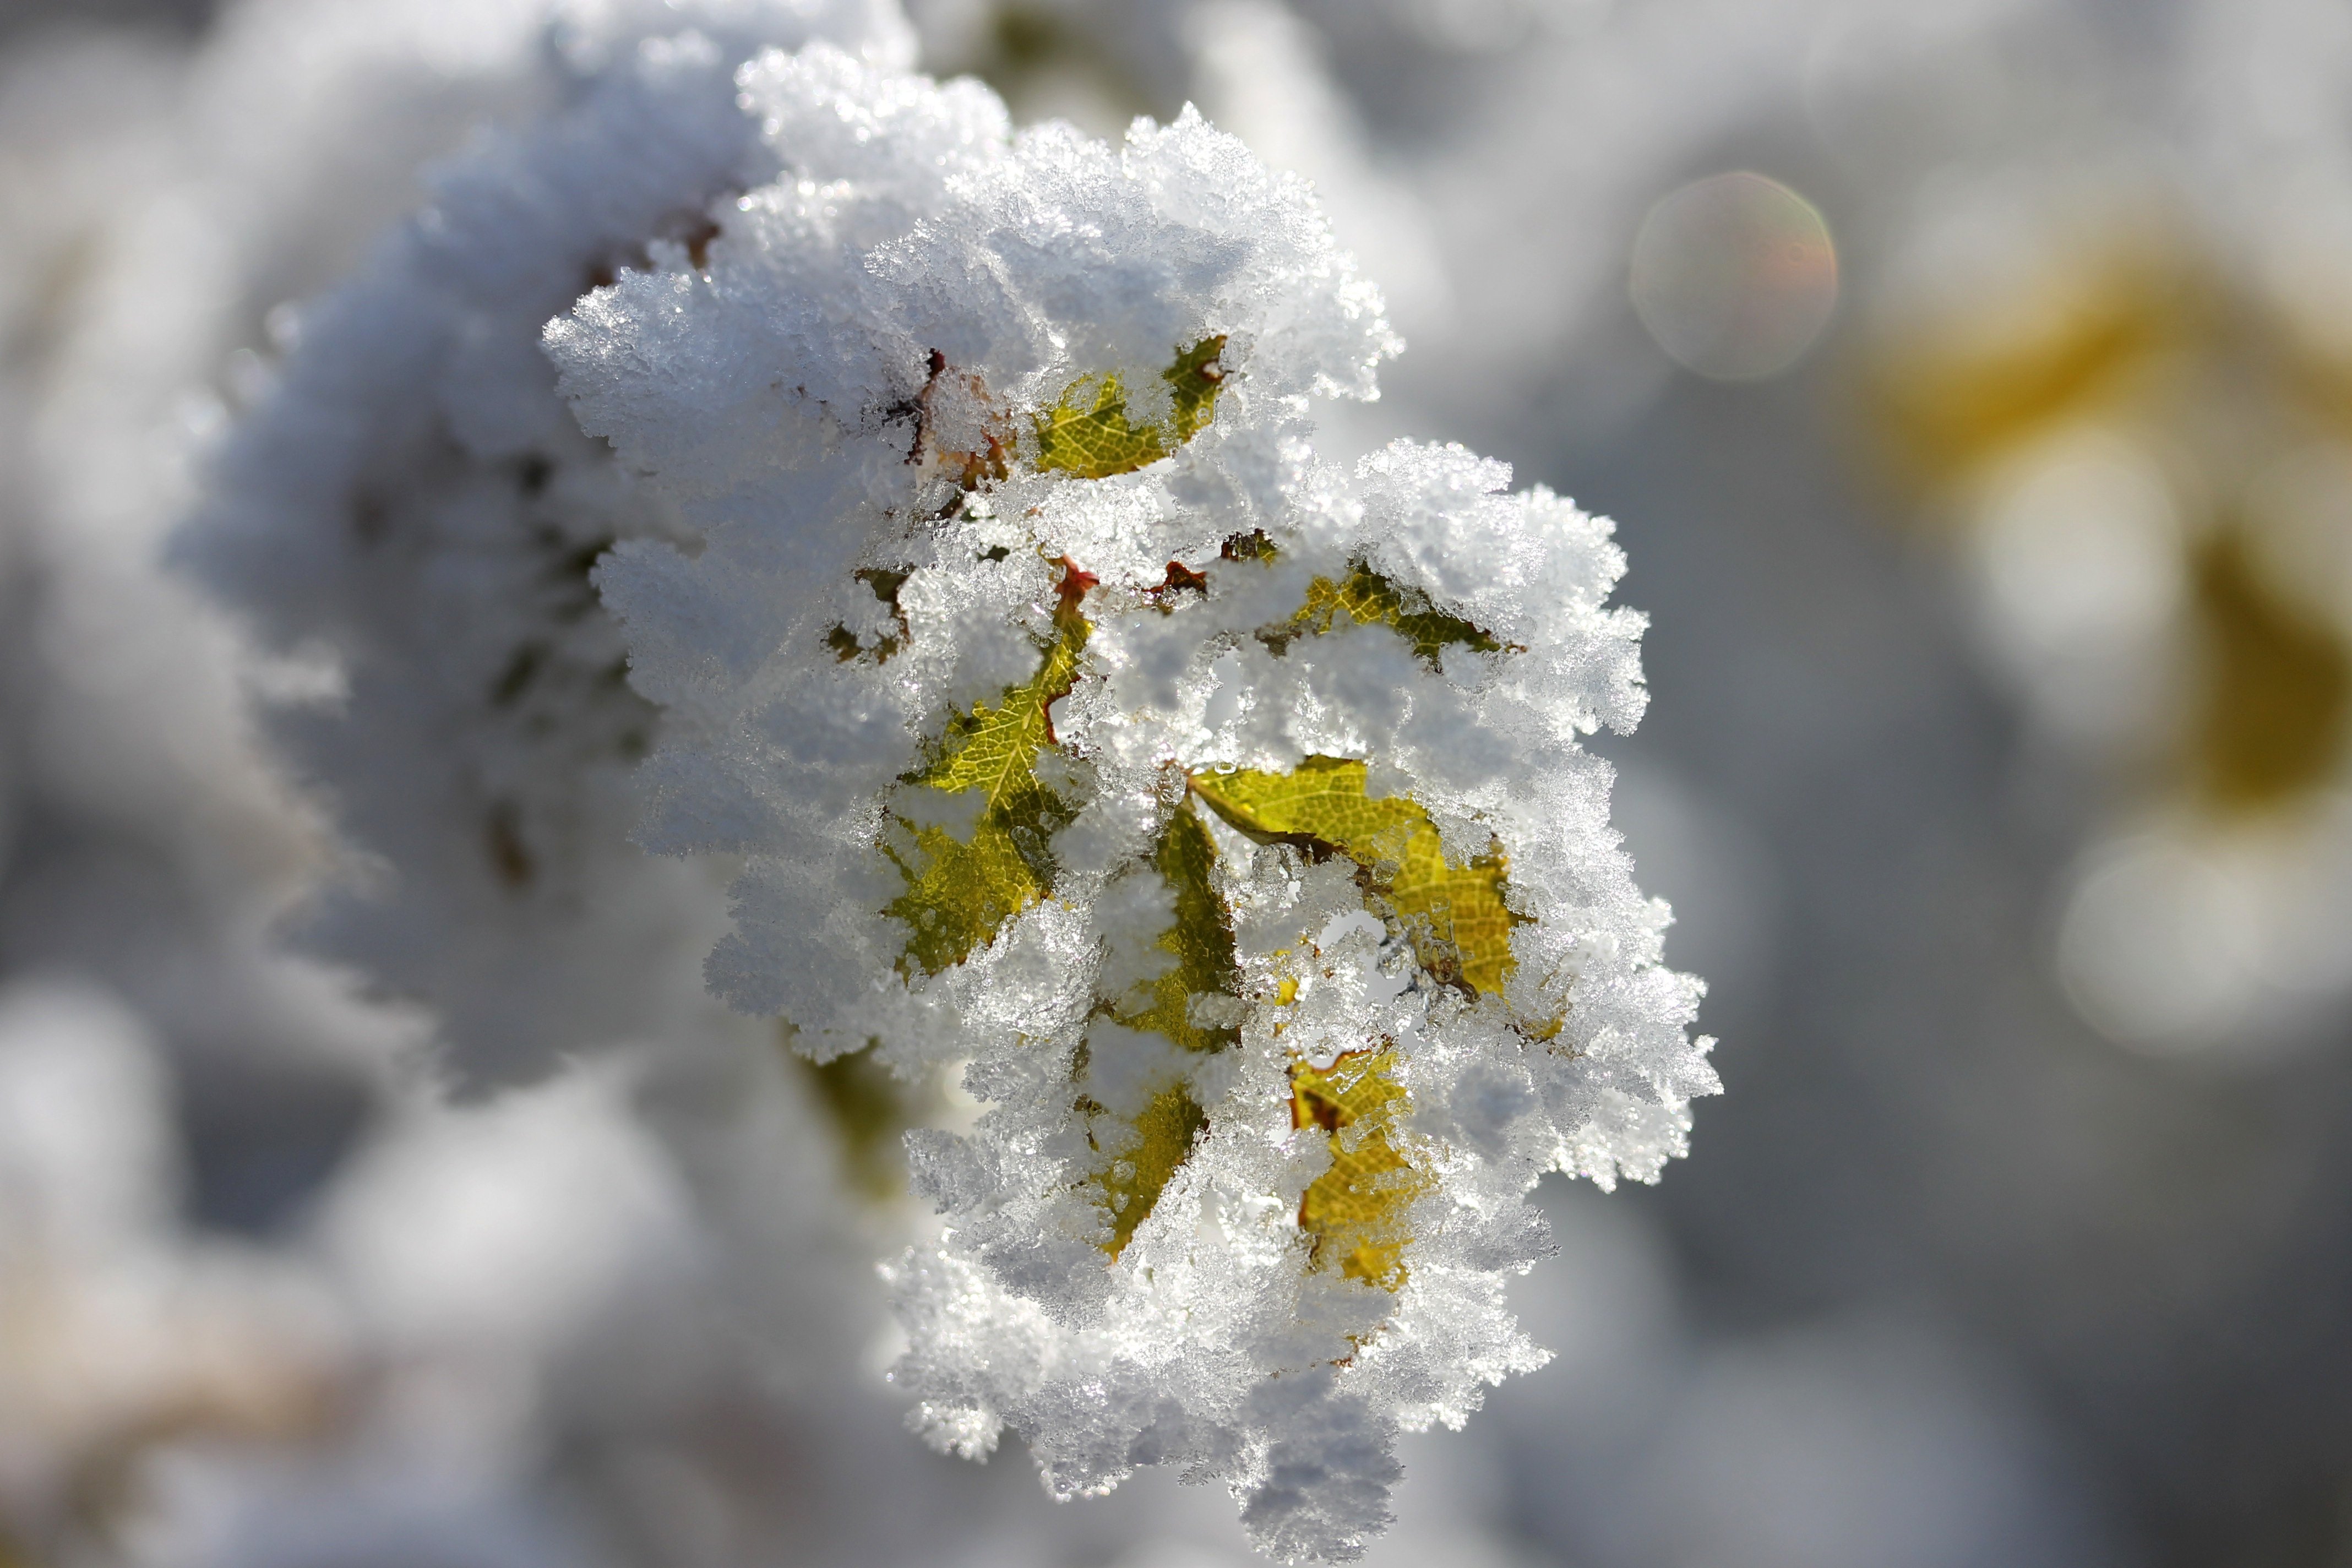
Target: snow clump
[(1222, 811)]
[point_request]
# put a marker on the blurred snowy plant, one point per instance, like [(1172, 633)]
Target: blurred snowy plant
[(119, 1331), (1222, 810), (407, 509)]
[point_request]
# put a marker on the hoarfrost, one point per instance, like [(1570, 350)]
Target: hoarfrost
[(1225, 811)]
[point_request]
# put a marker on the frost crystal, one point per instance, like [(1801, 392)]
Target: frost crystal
[(1220, 809)]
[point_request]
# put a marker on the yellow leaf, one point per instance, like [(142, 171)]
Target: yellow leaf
[(1368, 598), (1459, 925), (1355, 1212), (1201, 937), (1141, 1169), (1087, 433), (960, 890)]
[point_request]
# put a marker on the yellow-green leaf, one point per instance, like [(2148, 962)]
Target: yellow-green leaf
[(1455, 915), (1355, 1212), (962, 888), (1201, 938), (1141, 1166), (1087, 433), (1368, 598)]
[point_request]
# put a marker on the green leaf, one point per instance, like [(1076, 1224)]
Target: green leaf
[(1355, 1212), (1368, 598), (1455, 915), (1087, 433), (962, 888)]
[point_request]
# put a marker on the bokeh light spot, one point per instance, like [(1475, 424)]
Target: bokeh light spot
[(2160, 946), (1735, 276)]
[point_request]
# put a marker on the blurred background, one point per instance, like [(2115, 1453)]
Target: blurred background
[(1972, 386)]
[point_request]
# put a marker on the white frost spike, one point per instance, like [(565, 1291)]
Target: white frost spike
[(1223, 809)]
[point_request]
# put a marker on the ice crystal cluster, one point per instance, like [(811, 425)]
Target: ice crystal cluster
[(1219, 809)]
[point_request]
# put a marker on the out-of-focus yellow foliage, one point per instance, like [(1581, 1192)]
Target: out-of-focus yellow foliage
[(868, 1109), (1059, 62), (1355, 1213), (2135, 336), (2277, 689), (1455, 915), (1949, 397), (1086, 434)]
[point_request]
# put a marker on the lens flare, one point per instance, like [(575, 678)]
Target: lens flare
[(1735, 276)]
